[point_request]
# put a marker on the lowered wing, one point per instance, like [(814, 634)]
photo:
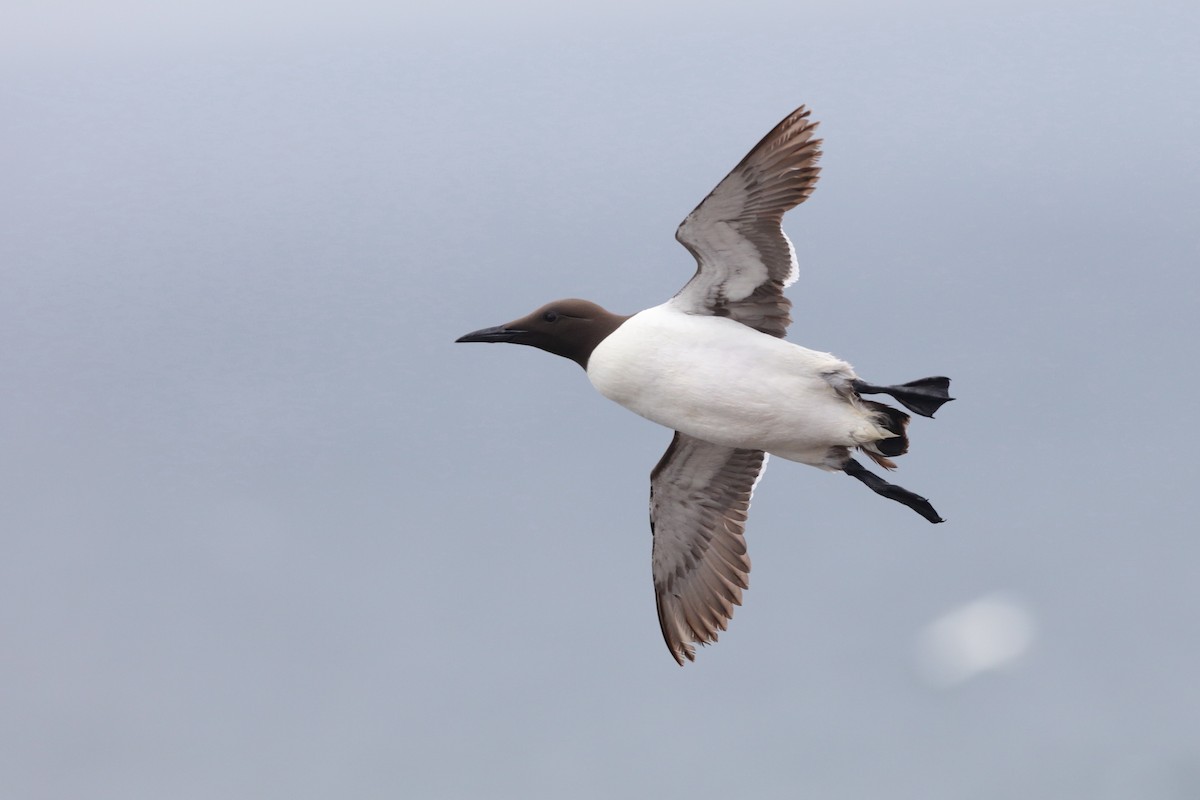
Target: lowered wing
[(699, 497)]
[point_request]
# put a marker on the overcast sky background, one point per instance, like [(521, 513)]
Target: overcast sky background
[(266, 532)]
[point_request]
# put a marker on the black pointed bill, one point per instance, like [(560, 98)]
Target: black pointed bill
[(500, 333)]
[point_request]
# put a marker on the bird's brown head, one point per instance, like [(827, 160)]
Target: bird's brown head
[(568, 328)]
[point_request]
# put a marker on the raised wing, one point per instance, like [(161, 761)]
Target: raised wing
[(744, 259), (699, 497)]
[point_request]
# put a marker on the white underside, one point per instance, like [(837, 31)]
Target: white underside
[(726, 383)]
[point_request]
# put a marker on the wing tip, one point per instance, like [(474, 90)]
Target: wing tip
[(681, 636), (672, 633)]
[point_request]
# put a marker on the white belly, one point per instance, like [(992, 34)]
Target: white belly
[(723, 382)]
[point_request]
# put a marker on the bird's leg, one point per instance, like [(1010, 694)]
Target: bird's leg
[(923, 396), (891, 491)]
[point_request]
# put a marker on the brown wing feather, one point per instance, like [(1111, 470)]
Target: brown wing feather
[(699, 497), (744, 259)]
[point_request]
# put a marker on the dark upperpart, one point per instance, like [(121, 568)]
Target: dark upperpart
[(568, 328)]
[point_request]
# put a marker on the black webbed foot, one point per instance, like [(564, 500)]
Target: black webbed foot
[(892, 491), (923, 396)]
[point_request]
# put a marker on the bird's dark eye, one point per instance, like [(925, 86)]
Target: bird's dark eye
[(550, 316)]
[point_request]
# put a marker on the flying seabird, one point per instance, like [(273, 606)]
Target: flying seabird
[(711, 364)]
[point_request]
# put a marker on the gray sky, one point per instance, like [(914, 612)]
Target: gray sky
[(268, 533)]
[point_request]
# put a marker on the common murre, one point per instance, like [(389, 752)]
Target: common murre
[(711, 364)]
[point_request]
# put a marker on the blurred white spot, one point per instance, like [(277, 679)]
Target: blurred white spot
[(987, 634)]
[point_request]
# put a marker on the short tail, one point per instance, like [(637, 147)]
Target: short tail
[(894, 421)]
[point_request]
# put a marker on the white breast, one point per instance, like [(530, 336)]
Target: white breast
[(724, 382)]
